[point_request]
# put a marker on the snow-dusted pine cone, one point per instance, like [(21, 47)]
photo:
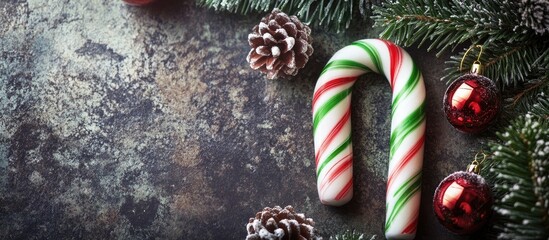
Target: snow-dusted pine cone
[(281, 45), (281, 224), (535, 15)]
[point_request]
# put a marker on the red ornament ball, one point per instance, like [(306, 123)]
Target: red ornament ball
[(463, 202), (138, 2), (471, 103)]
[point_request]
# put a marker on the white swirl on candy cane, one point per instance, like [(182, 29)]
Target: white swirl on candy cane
[(332, 129)]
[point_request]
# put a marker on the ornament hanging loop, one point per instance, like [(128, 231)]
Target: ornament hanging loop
[(474, 167), (475, 69)]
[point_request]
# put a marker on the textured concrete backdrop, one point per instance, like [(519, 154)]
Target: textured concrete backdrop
[(141, 123)]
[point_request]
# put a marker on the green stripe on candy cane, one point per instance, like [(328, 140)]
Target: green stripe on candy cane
[(372, 52), (403, 195), (332, 155), (408, 125), (344, 64), (410, 85), (329, 105)]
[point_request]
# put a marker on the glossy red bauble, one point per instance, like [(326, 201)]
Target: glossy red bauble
[(471, 103), (463, 202), (138, 2)]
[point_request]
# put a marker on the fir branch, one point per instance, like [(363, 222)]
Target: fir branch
[(514, 55), (352, 235), (333, 14), (518, 168), (446, 24), (524, 99), (509, 65), (413, 21), (541, 109)]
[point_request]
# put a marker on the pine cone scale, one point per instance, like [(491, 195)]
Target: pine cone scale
[(271, 225), (287, 44), (255, 40), (269, 39), (263, 28), (271, 63), (290, 28), (273, 25), (309, 51), (280, 34), (275, 51), (263, 51), (289, 58), (259, 62)]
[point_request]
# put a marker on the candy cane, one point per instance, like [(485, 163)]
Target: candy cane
[(332, 130)]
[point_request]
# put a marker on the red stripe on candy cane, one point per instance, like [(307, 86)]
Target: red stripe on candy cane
[(396, 61), (412, 225), (343, 164), (331, 84), (345, 190), (405, 160), (333, 133)]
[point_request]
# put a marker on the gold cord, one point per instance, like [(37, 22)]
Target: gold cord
[(464, 55)]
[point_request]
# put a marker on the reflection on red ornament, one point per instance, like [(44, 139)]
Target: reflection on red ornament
[(138, 2), (463, 202), (471, 103)]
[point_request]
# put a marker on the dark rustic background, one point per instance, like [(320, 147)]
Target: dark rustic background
[(120, 122)]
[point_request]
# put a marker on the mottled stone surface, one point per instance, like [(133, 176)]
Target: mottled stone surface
[(120, 122)]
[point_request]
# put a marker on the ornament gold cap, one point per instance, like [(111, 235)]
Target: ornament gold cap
[(475, 69), (474, 167)]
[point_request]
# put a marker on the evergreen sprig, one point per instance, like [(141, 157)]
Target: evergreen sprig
[(352, 235), (446, 24), (515, 55), (518, 169), (510, 65), (333, 14), (522, 100)]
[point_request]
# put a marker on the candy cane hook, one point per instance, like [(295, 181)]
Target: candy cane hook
[(332, 130)]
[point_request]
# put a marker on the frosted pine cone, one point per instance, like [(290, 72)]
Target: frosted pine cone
[(281, 224), (281, 45), (535, 15)]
